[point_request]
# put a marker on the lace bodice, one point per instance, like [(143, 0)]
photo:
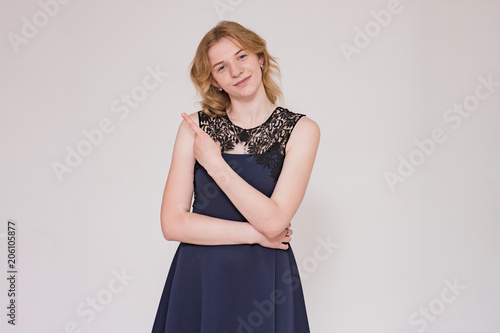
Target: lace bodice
[(266, 142)]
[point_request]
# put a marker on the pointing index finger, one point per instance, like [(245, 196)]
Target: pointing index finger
[(191, 123)]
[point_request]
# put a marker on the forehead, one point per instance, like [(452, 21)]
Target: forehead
[(225, 48)]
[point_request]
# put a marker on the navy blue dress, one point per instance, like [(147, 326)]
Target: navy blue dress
[(235, 288)]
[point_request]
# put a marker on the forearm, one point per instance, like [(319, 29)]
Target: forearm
[(200, 229), (263, 213)]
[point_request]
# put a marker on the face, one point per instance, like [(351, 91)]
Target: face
[(234, 69)]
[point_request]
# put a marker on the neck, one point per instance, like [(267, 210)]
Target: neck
[(251, 112)]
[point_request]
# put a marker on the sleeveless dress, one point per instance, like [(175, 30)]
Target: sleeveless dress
[(235, 288)]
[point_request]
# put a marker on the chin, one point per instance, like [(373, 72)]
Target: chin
[(246, 93), (250, 89)]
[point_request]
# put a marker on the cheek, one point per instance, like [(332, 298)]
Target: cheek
[(258, 74), (221, 78)]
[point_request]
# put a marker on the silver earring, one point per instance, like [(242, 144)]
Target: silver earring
[(261, 66), (220, 89)]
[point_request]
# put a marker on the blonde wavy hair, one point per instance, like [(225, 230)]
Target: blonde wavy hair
[(213, 101)]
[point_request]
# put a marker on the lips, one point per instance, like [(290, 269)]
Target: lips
[(242, 82)]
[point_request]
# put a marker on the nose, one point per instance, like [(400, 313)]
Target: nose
[(236, 69)]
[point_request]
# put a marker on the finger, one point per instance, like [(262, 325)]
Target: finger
[(287, 236), (191, 123)]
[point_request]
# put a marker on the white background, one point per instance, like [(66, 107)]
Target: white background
[(396, 248)]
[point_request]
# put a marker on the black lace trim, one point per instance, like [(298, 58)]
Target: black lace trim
[(266, 142)]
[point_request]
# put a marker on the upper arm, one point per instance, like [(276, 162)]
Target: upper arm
[(297, 166), (178, 191)]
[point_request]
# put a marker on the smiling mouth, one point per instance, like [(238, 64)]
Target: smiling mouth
[(242, 82)]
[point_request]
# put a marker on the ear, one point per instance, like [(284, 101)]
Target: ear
[(215, 84), (261, 60)]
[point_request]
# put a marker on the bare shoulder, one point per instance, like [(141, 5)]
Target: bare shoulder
[(185, 135), (305, 134), (307, 126), (304, 129), (194, 117), (184, 128)]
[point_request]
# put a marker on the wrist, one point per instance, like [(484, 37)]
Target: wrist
[(217, 168), (254, 237)]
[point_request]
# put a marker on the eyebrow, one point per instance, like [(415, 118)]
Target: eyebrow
[(223, 61)]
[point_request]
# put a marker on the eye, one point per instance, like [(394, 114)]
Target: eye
[(242, 56), (221, 68)]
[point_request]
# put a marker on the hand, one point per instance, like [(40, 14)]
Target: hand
[(280, 242), (205, 150)]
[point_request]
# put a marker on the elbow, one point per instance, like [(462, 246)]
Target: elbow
[(168, 223), (169, 236), (271, 233), (273, 230), (167, 231), (274, 223)]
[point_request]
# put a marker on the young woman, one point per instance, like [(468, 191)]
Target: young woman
[(247, 161)]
